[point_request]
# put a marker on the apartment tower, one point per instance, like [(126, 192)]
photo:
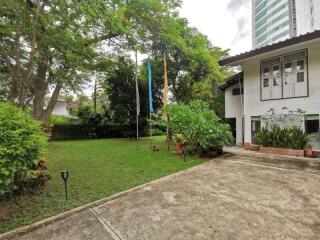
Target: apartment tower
[(277, 20)]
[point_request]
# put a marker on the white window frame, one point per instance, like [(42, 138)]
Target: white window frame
[(271, 63)]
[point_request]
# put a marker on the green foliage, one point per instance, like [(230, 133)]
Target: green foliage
[(198, 126), (57, 44), (87, 115), (120, 87), (289, 138), (22, 144), (193, 69), (159, 125), (54, 119)]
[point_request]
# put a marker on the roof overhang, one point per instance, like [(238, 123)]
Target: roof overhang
[(230, 81), (238, 59)]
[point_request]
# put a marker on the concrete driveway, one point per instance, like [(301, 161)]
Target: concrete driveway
[(237, 197)]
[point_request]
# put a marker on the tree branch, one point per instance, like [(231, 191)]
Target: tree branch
[(7, 61), (101, 38), (32, 46)]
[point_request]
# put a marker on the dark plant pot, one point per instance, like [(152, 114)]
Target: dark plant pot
[(179, 148), (212, 153)]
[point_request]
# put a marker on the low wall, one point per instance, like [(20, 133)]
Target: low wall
[(282, 151)]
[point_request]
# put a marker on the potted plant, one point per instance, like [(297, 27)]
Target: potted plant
[(309, 151), (179, 146)]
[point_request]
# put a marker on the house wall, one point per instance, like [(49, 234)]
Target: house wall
[(253, 106), (233, 109), (60, 109)]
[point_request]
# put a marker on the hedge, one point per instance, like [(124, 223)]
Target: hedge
[(22, 147), (77, 132)]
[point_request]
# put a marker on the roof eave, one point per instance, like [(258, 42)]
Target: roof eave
[(239, 59)]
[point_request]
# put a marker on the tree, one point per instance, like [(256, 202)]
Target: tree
[(48, 46), (120, 87), (198, 126), (193, 68)]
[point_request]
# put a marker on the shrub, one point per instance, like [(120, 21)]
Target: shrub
[(22, 144), (54, 119), (159, 125), (198, 126), (277, 137)]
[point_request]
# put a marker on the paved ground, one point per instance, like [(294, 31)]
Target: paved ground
[(236, 197)]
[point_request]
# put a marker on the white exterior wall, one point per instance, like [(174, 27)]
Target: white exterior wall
[(233, 109), (253, 106), (60, 109)]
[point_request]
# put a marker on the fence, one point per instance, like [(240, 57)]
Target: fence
[(77, 132)]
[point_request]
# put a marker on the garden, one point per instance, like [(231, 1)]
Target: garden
[(282, 133), (110, 133), (32, 188)]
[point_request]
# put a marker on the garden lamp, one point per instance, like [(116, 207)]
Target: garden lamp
[(65, 176)]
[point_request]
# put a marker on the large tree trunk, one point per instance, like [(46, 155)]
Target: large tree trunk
[(52, 102), (38, 102)]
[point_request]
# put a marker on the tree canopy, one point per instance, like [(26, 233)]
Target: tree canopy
[(48, 46), (52, 46)]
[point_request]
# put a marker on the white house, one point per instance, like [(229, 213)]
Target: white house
[(64, 108), (284, 74)]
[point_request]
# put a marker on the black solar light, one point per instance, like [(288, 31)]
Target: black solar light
[(65, 176)]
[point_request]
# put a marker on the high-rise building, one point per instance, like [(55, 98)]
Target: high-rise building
[(276, 20)]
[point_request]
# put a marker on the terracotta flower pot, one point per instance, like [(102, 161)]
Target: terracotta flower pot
[(309, 152), (179, 147)]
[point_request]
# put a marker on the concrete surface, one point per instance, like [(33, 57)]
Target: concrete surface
[(237, 197)]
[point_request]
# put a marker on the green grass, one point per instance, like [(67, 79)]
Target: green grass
[(98, 169)]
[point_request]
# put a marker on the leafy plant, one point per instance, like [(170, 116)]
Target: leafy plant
[(54, 119), (277, 137), (199, 127), (22, 144)]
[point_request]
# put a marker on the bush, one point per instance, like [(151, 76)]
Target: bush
[(199, 127), (277, 137), (159, 125), (54, 119), (22, 144)]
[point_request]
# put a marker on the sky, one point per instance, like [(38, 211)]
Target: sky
[(227, 23)]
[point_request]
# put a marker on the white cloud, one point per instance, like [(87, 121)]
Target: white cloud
[(227, 23)]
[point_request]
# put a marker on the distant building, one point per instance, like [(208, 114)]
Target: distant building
[(277, 20), (63, 108)]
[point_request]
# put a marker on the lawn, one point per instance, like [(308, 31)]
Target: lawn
[(98, 169)]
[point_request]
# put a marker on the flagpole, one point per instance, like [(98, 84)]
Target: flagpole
[(165, 95), (151, 129), (137, 100), (150, 97)]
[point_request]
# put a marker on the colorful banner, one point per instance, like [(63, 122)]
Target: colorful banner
[(165, 90), (150, 86)]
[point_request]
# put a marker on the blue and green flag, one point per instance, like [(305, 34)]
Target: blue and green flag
[(150, 86)]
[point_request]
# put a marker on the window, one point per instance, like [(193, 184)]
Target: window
[(237, 91), (287, 73), (300, 71), (311, 123), (255, 127), (300, 77), (284, 76), (266, 76), (276, 76)]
